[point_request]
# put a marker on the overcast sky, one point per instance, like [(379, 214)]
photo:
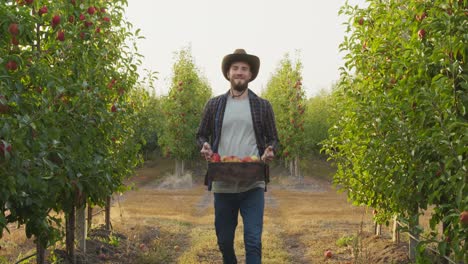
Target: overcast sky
[(266, 28)]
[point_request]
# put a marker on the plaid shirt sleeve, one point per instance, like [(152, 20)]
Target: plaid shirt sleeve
[(271, 135), (205, 128)]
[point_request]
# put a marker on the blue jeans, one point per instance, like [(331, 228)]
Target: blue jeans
[(251, 205)]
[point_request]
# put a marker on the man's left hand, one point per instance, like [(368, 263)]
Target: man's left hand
[(268, 155)]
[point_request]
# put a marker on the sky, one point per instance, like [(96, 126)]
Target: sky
[(308, 30)]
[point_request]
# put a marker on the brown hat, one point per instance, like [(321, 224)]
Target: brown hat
[(241, 55)]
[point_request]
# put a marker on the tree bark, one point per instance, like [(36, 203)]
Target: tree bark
[(414, 235), (40, 253), (81, 232), (395, 232), (90, 216), (70, 234), (108, 205)]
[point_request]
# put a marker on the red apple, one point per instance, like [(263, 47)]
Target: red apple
[(247, 159), (11, 65), (111, 83), (328, 253), (71, 19), (421, 17), (55, 20), (4, 147), (103, 9), (215, 158), (91, 10), (61, 35), (113, 109), (43, 10), (29, 1), (13, 29), (98, 30), (361, 21), (82, 17), (421, 33), (88, 23), (464, 217), (106, 19)]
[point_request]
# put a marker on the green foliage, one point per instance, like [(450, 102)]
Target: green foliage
[(68, 122), (345, 241), (183, 107), (317, 121), (287, 97), (399, 130)]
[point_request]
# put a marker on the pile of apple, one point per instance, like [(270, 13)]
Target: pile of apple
[(217, 158)]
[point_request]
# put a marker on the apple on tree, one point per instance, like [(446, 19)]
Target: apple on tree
[(464, 217)]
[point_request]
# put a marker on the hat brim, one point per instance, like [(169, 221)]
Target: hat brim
[(252, 60)]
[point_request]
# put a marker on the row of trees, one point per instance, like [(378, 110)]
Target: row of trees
[(400, 125), (302, 124), (69, 107)]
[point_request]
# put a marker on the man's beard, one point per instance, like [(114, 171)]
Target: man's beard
[(241, 86)]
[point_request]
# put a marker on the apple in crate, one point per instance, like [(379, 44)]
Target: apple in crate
[(215, 158)]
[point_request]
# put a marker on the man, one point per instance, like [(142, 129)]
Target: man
[(238, 123)]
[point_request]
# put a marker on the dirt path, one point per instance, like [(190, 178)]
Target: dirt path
[(302, 220)]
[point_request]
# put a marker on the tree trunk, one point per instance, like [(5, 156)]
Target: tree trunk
[(414, 235), (81, 232), (90, 216), (377, 229), (70, 234), (297, 168), (291, 168), (182, 165), (108, 205), (395, 231), (40, 253), (179, 168)]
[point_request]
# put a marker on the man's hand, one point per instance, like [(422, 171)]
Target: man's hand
[(268, 155), (206, 151)]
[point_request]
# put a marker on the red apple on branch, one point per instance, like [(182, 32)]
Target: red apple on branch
[(55, 20), (421, 33), (11, 65), (91, 10), (61, 35), (13, 29), (43, 10), (464, 217)]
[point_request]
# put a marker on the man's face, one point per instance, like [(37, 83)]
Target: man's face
[(239, 75)]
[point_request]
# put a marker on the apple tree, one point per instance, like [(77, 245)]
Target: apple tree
[(182, 109), (399, 132), (285, 92), (317, 121), (66, 126)]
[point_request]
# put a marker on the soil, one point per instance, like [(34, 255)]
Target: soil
[(144, 238)]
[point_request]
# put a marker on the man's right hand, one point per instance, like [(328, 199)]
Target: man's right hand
[(206, 151)]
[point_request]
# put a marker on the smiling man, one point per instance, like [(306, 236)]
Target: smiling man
[(238, 123)]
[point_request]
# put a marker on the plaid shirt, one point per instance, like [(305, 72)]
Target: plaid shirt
[(263, 120)]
